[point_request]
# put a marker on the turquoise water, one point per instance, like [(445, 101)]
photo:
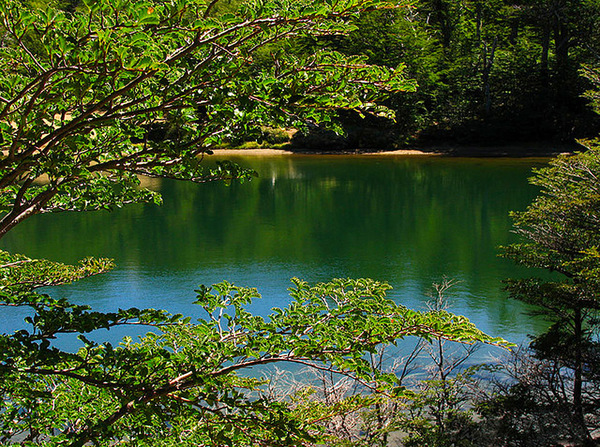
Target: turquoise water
[(410, 221)]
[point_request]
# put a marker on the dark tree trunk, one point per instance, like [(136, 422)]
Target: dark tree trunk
[(561, 44), (488, 62), (440, 15), (578, 410), (544, 70)]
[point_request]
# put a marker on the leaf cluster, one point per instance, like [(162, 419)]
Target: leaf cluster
[(187, 379), (561, 230), (81, 91), (562, 236)]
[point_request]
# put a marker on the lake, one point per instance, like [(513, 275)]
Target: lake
[(410, 221)]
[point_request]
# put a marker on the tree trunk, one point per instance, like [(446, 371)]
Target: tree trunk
[(544, 71), (488, 62), (561, 45), (578, 412)]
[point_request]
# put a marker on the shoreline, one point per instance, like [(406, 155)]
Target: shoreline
[(270, 152), (465, 151)]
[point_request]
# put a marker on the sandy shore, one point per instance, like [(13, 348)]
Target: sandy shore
[(519, 151), (404, 152), (270, 152), (251, 152)]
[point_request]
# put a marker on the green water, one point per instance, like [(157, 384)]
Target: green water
[(410, 221)]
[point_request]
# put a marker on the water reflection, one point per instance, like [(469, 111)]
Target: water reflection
[(409, 221)]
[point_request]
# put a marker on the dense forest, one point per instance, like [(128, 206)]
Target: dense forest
[(489, 73)]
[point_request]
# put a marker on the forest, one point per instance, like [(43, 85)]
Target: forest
[(489, 73), (96, 95)]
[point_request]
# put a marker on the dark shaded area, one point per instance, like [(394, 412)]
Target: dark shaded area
[(368, 133), (490, 74), (503, 136)]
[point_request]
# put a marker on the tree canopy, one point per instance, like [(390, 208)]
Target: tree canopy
[(490, 73), (180, 384), (561, 235), (81, 92)]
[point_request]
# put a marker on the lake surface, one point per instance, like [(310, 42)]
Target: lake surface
[(410, 221)]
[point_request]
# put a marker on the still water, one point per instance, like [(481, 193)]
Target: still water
[(410, 221)]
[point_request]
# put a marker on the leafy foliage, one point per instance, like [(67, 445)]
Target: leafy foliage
[(562, 235), (489, 72), (83, 93), (186, 380)]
